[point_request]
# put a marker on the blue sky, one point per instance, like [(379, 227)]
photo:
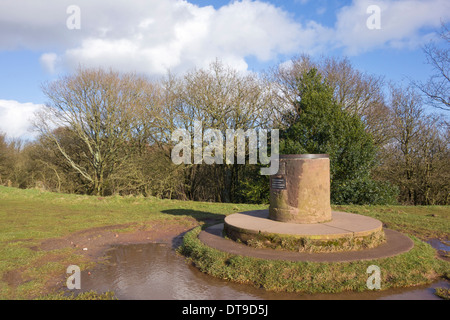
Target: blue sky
[(37, 43)]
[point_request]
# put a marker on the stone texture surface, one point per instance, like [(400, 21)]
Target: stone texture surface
[(396, 243), (306, 195), (343, 224)]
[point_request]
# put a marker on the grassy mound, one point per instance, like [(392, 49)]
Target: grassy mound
[(31, 217), (415, 267)]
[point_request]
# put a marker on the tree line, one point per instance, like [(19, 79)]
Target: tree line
[(104, 132)]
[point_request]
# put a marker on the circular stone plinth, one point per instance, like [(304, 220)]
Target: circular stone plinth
[(345, 232), (395, 244)]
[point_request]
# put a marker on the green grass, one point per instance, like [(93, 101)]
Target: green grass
[(424, 222), (418, 266), (443, 293), (28, 217), (90, 295)]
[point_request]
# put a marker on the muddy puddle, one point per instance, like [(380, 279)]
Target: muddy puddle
[(440, 245), (154, 271)]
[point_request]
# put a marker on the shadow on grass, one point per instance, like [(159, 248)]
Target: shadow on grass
[(200, 216), (207, 218)]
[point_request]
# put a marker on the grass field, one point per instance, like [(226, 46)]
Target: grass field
[(417, 267), (30, 217)]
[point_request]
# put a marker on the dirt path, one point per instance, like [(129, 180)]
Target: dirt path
[(92, 243)]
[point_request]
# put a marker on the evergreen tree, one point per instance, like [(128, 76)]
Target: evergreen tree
[(319, 125)]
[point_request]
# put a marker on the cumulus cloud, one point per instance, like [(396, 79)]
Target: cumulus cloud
[(48, 61), (153, 36), (16, 118), (402, 24), (179, 35)]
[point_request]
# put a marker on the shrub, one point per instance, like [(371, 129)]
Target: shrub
[(319, 125)]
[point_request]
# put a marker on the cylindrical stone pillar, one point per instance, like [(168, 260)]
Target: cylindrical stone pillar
[(300, 191)]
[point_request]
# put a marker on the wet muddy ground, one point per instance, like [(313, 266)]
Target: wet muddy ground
[(155, 271)]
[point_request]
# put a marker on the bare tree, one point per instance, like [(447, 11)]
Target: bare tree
[(283, 81), (407, 126), (437, 88), (100, 108), (5, 159), (361, 94), (354, 90), (416, 159), (357, 92), (222, 98)]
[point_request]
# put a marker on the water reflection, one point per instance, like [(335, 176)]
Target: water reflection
[(440, 244), (155, 271)]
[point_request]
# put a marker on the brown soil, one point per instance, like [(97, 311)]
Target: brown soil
[(91, 245)]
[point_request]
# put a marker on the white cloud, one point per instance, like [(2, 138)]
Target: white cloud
[(402, 24), (48, 61), (16, 118), (321, 10), (179, 35), (153, 36)]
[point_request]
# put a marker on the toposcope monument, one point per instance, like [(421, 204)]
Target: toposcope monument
[(301, 222)]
